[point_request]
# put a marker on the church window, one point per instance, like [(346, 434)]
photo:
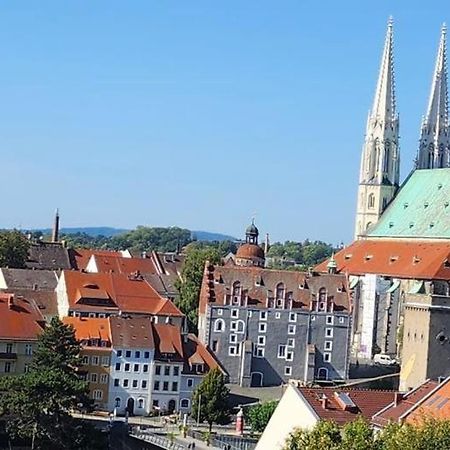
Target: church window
[(371, 202), (387, 156), (368, 225)]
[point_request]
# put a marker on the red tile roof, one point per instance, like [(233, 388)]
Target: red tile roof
[(397, 258), (80, 257), (196, 353), (21, 320), (112, 292), (119, 264), (258, 284), (397, 410), (92, 328), (168, 342), (367, 402)]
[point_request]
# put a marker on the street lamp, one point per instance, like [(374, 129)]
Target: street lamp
[(199, 408)]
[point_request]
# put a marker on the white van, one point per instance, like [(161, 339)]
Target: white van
[(383, 359)]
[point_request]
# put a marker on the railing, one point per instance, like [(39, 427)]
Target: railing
[(160, 441), (226, 441)]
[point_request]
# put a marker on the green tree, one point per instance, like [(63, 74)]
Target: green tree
[(191, 281), (258, 416), (210, 399), (14, 248), (39, 403)]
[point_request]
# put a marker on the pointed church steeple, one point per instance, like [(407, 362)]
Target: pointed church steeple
[(380, 163), (434, 146)]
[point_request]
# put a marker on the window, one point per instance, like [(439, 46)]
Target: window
[(91, 315), (330, 320), (156, 386), (327, 357), (240, 326), (233, 338), (277, 315), (7, 367), (145, 368), (127, 367), (135, 383), (116, 382), (249, 314), (329, 332), (26, 368), (144, 384), (292, 317), (167, 370), (313, 318), (165, 386), (175, 386), (259, 352), (94, 360), (291, 329), (219, 311), (97, 394), (155, 404), (219, 326), (261, 340), (341, 320), (291, 342), (262, 327), (137, 354), (290, 355), (371, 201), (263, 315), (119, 353), (232, 350), (190, 382), (117, 402), (146, 355), (9, 348), (281, 351), (125, 382), (184, 403), (234, 313), (176, 371), (322, 294), (128, 353), (28, 349), (94, 378), (288, 370), (280, 291), (117, 366), (329, 345), (157, 370), (105, 361), (136, 368), (85, 361), (140, 403), (214, 346), (233, 326), (104, 378)]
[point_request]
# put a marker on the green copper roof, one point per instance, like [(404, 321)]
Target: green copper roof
[(421, 208)]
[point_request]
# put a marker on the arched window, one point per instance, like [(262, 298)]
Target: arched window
[(219, 325), (280, 291), (140, 403), (240, 326), (117, 402), (184, 403), (371, 201), (322, 294), (369, 224), (236, 288), (322, 373)]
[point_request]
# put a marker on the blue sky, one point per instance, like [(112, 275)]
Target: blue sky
[(201, 113)]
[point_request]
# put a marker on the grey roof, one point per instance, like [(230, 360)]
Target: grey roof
[(30, 279), (48, 256), (132, 332)]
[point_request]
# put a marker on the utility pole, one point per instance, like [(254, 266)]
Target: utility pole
[(199, 408)]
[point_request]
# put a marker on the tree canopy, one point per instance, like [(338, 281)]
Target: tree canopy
[(39, 403), (14, 247), (430, 434), (210, 399), (258, 416)]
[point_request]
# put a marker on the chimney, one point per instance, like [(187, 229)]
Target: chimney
[(55, 231), (144, 254), (266, 244), (324, 401), (11, 302), (398, 397)]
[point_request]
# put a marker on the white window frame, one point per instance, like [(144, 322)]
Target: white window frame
[(185, 400), (313, 318), (292, 317), (328, 346), (97, 394), (281, 354), (263, 315), (258, 352), (219, 311), (249, 313), (262, 327), (235, 313), (328, 332), (96, 359), (105, 361), (277, 315), (216, 328), (104, 378), (291, 343), (289, 355), (190, 382), (288, 371), (330, 320), (233, 350), (341, 320), (327, 357), (262, 340), (292, 329), (233, 339), (93, 377), (233, 326)]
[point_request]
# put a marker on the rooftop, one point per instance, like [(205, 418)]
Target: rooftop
[(92, 328), (131, 332), (29, 279)]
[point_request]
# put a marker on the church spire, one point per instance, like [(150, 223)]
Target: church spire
[(380, 163), (434, 144), (384, 101)]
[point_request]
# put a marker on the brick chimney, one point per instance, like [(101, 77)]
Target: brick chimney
[(398, 397), (11, 302), (324, 401)]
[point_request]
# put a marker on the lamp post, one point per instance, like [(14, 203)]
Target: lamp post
[(199, 409)]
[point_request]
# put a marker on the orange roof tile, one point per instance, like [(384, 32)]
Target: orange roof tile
[(168, 341), (80, 257), (196, 353), (119, 264), (21, 320), (92, 328), (396, 258)]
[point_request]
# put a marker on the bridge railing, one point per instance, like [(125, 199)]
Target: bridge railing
[(160, 441)]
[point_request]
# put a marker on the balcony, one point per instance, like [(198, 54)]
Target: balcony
[(8, 356)]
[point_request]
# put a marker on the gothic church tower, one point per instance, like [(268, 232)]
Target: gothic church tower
[(434, 147), (380, 162)]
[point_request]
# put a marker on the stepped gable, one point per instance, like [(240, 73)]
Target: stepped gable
[(259, 284), (396, 258)]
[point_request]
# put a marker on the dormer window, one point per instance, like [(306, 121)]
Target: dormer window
[(280, 291)]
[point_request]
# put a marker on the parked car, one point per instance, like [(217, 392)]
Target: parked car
[(385, 360)]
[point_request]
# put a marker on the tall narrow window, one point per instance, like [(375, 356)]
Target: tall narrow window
[(371, 201)]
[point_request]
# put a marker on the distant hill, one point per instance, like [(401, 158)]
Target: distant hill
[(111, 231)]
